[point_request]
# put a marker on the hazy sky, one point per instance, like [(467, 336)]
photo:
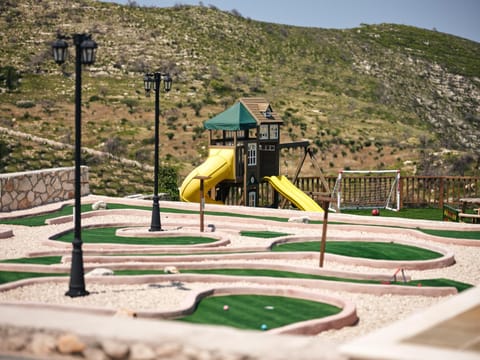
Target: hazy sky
[(457, 17)]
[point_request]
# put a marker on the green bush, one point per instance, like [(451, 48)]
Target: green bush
[(168, 178), (131, 104), (94, 98), (4, 151), (221, 88), (25, 104), (9, 77)]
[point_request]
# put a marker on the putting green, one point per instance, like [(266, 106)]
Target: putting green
[(263, 234), (440, 282), (9, 276), (469, 235), (40, 260), (107, 235), (364, 249), (253, 311), (39, 219)]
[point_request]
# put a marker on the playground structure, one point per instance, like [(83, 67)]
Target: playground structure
[(244, 149)]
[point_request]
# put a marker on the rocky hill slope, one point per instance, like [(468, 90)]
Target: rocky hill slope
[(377, 96)]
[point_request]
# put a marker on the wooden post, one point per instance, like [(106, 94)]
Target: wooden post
[(325, 201), (202, 198), (400, 184), (245, 168), (441, 190)]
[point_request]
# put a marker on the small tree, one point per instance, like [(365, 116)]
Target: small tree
[(4, 152), (131, 104), (462, 164), (114, 146), (9, 77), (168, 176), (197, 106)]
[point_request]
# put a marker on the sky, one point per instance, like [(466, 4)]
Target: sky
[(456, 17)]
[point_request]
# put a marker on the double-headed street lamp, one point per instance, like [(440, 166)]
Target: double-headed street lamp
[(85, 51), (153, 80)]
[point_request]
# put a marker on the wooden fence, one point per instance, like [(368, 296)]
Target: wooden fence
[(415, 191), (436, 191)]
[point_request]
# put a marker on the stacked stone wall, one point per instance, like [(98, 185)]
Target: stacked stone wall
[(24, 190)]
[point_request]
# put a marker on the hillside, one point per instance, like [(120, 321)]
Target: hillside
[(378, 96)]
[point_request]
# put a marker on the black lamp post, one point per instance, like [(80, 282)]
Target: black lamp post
[(85, 51), (153, 80)]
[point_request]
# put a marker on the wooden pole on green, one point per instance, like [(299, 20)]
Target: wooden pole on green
[(202, 199), (325, 201)]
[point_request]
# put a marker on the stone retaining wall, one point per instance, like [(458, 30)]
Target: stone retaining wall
[(24, 190)]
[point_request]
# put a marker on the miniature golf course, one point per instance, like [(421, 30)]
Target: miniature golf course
[(244, 311)]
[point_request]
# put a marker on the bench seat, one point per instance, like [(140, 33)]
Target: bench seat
[(474, 217)]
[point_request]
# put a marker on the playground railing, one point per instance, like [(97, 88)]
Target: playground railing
[(435, 191)]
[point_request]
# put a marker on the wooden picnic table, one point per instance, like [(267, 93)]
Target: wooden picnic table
[(469, 201)]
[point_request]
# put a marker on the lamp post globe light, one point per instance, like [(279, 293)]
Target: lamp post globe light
[(85, 52), (153, 81)]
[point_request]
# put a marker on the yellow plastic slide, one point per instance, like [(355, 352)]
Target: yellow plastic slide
[(292, 193), (219, 166)]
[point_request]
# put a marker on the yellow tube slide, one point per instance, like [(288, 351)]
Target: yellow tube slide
[(219, 166), (292, 193)]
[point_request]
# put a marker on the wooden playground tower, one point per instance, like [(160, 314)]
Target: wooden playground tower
[(252, 129)]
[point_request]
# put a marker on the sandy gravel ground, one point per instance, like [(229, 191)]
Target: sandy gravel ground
[(374, 311)]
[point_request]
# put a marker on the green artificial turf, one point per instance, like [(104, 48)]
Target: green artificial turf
[(441, 282), (191, 253), (273, 273), (221, 213), (469, 235), (296, 275), (407, 213), (414, 213), (39, 220), (41, 260), (252, 311), (8, 276), (364, 249), (263, 234), (107, 235)]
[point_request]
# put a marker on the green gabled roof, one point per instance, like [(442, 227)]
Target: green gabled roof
[(236, 117)]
